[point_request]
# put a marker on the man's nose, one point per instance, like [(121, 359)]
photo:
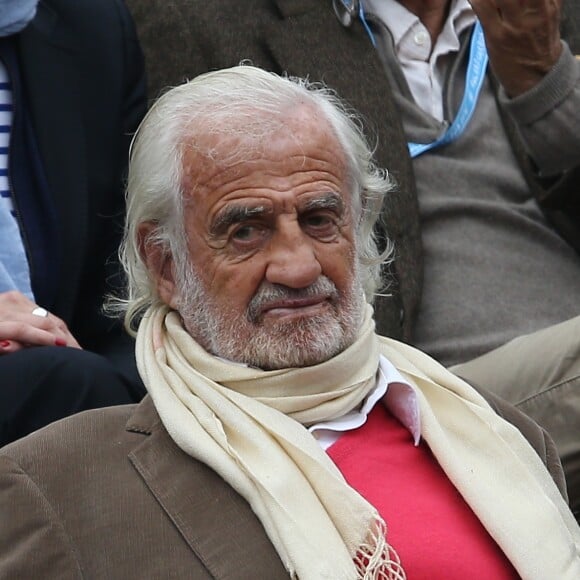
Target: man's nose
[(292, 260)]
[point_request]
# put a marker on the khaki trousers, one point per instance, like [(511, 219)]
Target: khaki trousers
[(540, 374)]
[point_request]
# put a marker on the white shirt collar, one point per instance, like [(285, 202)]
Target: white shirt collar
[(423, 65), (399, 20), (397, 394)]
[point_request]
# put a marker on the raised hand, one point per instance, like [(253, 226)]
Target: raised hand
[(522, 38)]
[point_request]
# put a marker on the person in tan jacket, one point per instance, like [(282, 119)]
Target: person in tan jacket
[(486, 227), (282, 436)]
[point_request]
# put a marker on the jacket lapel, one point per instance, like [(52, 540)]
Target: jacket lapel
[(217, 524), (51, 78)]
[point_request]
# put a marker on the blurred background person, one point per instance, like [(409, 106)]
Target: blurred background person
[(72, 92)]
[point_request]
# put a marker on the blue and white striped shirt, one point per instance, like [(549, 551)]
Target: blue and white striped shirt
[(14, 269), (5, 124)]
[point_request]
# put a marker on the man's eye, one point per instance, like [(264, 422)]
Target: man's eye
[(248, 234), (321, 225), (319, 220)]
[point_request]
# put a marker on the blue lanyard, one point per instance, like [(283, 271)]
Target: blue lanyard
[(474, 78), (361, 15), (473, 81)]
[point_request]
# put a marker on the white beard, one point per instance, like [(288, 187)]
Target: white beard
[(275, 344)]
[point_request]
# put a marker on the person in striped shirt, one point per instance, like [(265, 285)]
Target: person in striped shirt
[(71, 92)]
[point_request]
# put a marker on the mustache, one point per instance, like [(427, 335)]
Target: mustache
[(268, 293)]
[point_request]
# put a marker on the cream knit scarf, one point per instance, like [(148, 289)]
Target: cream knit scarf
[(247, 425)]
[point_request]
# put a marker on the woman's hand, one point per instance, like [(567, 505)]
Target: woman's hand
[(20, 328)]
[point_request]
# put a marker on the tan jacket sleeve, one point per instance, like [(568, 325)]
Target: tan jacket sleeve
[(33, 543)]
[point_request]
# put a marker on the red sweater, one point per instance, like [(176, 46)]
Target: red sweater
[(435, 533)]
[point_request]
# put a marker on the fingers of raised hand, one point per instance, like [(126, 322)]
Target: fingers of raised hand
[(522, 38), (520, 13), (520, 27)]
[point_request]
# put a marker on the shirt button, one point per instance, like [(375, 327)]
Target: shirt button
[(421, 38)]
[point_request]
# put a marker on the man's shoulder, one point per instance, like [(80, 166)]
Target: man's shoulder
[(198, 15), (186, 38), (76, 463), (78, 435), (77, 494)]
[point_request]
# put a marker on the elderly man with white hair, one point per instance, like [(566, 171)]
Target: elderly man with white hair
[(282, 436)]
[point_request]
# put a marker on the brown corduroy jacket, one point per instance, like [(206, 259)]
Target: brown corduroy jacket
[(108, 494)]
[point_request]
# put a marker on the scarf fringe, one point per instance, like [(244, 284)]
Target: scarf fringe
[(376, 559)]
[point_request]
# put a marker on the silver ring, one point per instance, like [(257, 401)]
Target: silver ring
[(40, 311)]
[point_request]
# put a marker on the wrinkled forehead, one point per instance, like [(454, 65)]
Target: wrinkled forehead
[(251, 133), (291, 157)]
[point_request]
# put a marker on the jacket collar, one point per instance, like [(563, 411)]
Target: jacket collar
[(217, 523)]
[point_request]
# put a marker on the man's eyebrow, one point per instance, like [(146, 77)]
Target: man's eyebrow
[(330, 200), (234, 214)]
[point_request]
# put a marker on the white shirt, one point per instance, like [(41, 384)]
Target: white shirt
[(398, 396), (423, 65)]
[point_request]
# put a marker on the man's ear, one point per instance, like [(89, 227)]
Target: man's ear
[(159, 264)]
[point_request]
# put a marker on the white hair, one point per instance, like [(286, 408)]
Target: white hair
[(246, 102)]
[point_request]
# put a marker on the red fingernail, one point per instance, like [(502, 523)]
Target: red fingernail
[(60, 342), (5, 343)]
